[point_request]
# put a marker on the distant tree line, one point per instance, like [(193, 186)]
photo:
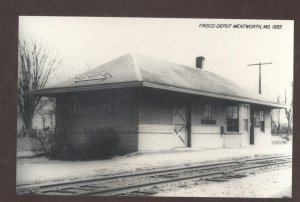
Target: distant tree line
[(276, 116)]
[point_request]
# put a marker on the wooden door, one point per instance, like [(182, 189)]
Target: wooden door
[(180, 123)]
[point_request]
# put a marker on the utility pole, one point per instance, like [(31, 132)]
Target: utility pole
[(259, 81)]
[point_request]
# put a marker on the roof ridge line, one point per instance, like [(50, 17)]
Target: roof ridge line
[(137, 69)]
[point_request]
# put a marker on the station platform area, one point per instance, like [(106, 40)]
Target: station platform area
[(40, 170)]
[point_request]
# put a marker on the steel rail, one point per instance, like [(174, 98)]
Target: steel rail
[(149, 172), (58, 186), (137, 187)]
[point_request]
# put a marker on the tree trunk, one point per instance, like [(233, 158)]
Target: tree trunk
[(289, 128), (278, 130), (28, 127), (27, 132), (43, 120)]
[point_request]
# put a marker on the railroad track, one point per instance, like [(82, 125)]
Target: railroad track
[(146, 183)]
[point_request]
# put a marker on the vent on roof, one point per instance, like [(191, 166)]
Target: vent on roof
[(200, 62)]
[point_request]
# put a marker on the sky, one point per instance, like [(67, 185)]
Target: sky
[(87, 42)]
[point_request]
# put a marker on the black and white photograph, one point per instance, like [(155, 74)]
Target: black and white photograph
[(155, 107)]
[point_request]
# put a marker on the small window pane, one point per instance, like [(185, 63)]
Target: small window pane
[(111, 107), (245, 112), (229, 109), (256, 115), (257, 122), (245, 125), (261, 115), (262, 121), (235, 109), (232, 119), (208, 111)]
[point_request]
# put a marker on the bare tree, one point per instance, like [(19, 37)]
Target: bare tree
[(51, 113), (47, 112), (288, 113), (275, 117), (35, 66)]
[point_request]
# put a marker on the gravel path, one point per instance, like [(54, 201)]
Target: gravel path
[(272, 184), (42, 170)]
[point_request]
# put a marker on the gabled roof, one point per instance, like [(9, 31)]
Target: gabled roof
[(138, 70)]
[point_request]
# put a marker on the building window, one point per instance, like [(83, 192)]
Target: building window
[(245, 116), (208, 115), (208, 111), (262, 121), (232, 119), (259, 117), (111, 107)]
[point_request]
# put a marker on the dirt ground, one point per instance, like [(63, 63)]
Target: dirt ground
[(42, 170), (267, 184)]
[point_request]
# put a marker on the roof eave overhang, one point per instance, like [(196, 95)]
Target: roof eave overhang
[(226, 97), (53, 91)]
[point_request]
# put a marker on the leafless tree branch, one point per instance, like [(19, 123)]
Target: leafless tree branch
[(35, 66)]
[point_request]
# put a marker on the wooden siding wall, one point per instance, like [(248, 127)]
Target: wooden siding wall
[(92, 113), (145, 120), (245, 139), (156, 130), (242, 137), (263, 138), (207, 135), (232, 140)]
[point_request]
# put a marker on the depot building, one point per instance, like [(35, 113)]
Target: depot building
[(154, 104)]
